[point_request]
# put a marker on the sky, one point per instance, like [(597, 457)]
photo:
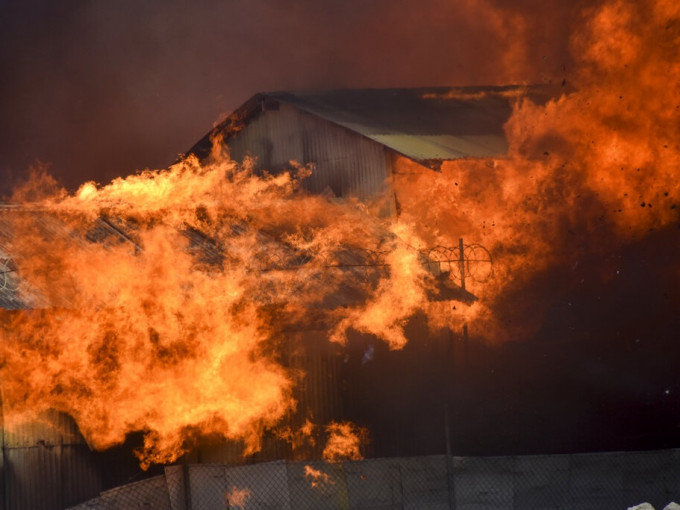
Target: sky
[(94, 90)]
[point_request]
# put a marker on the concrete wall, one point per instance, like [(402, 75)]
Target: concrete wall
[(587, 481)]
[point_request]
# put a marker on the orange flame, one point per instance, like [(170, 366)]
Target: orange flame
[(317, 478), (586, 171), (300, 437), (163, 321), (238, 497), (343, 443)]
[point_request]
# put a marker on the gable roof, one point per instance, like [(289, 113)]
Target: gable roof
[(423, 124)]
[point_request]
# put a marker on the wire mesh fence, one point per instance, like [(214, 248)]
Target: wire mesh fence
[(643, 480)]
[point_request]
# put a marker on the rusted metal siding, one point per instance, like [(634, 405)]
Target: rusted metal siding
[(347, 163)]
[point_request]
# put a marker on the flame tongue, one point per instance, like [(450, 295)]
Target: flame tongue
[(147, 343)]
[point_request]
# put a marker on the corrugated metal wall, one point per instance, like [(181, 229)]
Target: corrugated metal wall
[(318, 394), (347, 163), (402, 396), (318, 368), (47, 464)]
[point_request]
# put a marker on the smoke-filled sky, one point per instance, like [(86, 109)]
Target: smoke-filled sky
[(101, 89)]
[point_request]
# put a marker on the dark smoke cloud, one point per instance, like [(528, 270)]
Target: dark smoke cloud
[(100, 89)]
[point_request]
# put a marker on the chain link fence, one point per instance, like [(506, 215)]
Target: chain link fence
[(643, 480)]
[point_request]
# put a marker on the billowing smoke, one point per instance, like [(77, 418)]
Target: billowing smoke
[(97, 90), (588, 173)]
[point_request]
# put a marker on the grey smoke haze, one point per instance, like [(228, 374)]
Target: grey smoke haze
[(100, 89)]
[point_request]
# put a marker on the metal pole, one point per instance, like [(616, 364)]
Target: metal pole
[(461, 268), (187, 483), (461, 262), (450, 482)]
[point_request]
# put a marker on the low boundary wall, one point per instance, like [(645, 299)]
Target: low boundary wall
[(585, 481)]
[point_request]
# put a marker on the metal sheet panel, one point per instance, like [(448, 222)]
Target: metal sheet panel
[(50, 428), (374, 483), (80, 476), (33, 478), (319, 393), (92, 504), (445, 146), (539, 479), (484, 481), (49, 477), (330, 491), (174, 477), (151, 493), (425, 482), (346, 133), (344, 162), (260, 486), (420, 123), (562, 481), (208, 485)]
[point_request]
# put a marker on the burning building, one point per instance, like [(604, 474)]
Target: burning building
[(342, 148), (327, 256), (354, 138), (289, 274)]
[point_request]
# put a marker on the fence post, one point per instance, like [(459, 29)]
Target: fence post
[(187, 484)]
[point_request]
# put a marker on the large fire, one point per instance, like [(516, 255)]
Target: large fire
[(165, 322), (151, 332), (594, 168)]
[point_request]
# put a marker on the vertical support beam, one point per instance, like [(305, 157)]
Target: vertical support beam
[(4, 499), (461, 262), (461, 268), (4, 468), (187, 484), (449, 378)]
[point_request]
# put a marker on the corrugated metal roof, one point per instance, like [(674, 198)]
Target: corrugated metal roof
[(418, 123), (435, 123)]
